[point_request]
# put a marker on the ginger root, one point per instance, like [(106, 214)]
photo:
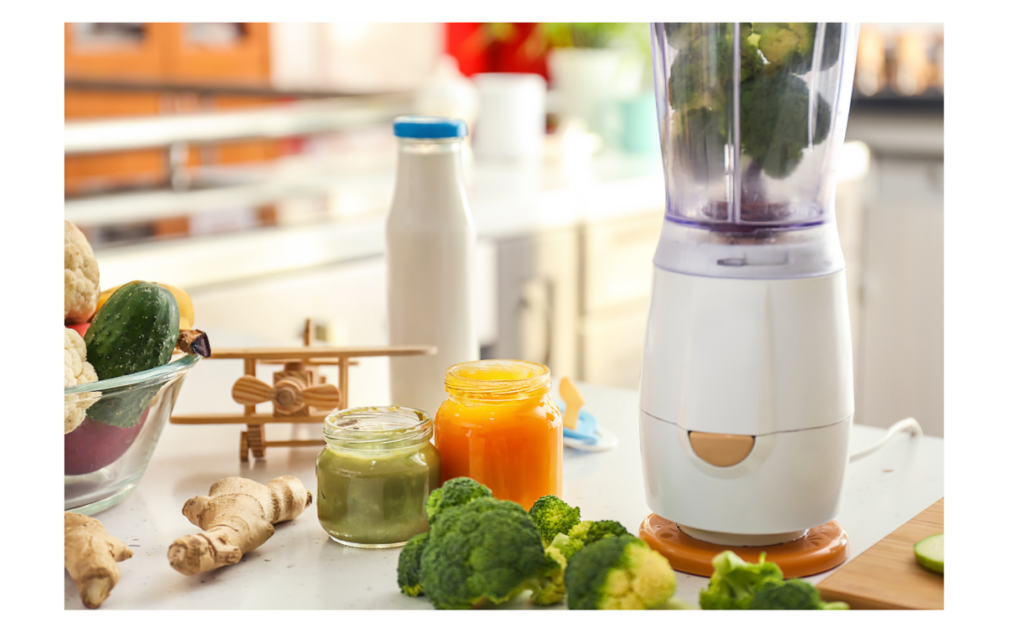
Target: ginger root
[(236, 518), (91, 556)]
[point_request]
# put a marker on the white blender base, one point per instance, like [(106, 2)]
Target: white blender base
[(767, 359), (790, 482)]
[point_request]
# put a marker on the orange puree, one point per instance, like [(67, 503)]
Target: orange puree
[(499, 427)]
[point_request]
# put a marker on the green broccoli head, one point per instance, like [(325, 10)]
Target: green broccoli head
[(783, 42), (702, 71), (619, 572), (455, 492), (793, 594), (591, 531), (774, 113), (483, 550), (735, 581), (409, 565), (789, 46), (548, 586), (553, 516)]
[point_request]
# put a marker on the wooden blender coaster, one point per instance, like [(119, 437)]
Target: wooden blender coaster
[(820, 550)]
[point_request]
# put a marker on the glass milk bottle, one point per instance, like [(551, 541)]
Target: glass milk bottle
[(430, 259)]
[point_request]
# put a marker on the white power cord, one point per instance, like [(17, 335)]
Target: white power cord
[(906, 424)]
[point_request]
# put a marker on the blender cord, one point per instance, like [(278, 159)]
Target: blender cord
[(906, 424)]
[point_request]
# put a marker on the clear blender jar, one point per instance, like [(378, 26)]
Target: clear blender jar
[(752, 117)]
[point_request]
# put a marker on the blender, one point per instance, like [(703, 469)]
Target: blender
[(746, 392)]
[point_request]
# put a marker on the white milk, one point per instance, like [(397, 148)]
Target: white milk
[(430, 258)]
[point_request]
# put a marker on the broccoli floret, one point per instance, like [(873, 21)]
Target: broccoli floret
[(566, 545), (409, 565), (793, 594), (484, 550), (774, 101), (701, 73), (455, 492), (620, 572), (783, 42), (591, 531), (773, 122), (548, 586), (735, 581), (553, 516), (584, 533), (789, 46)]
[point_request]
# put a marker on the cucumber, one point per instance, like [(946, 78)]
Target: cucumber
[(929, 553), (136, 330)]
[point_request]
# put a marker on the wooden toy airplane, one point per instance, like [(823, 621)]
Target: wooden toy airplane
[(299, 393)]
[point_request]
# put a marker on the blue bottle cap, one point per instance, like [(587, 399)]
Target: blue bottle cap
[(429, 127)]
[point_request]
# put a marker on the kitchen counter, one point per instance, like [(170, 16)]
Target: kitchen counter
[(301, 568), (506, 200)]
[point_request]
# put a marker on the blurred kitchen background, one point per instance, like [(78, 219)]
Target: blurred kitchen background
[(252, 164)]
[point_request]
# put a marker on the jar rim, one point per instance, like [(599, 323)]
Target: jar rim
[(498, 379), (377, 427)]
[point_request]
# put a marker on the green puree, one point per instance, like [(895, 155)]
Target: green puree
[(375, 497)]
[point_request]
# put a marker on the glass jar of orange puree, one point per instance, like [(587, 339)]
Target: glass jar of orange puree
[(499, 427)]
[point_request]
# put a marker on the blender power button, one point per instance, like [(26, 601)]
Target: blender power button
[(721, 450)]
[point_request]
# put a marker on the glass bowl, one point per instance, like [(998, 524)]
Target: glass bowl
[(122, 419)]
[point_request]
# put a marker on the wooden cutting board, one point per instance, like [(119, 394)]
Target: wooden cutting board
[(887, 576)]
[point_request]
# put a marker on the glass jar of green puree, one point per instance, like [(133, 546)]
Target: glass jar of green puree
[(375, 474)]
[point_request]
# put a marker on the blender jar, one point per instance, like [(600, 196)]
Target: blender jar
[(752, 116)]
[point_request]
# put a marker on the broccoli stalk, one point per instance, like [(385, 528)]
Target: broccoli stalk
[(619, 572), (548, 585)]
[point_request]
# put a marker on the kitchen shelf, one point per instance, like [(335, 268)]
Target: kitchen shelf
[(889, 101), (307, 117), (207, 88)]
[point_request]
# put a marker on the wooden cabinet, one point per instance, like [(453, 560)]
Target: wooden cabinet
[(155, 53), (127, 50)]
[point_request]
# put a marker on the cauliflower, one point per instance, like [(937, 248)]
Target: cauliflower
[(81, 276), (76, 371)]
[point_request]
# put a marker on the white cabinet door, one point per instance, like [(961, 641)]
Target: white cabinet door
[(617, 261), (613, 348), (902, 317), (538, 300), (617, 265)]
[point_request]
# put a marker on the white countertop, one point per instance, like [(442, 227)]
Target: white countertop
[(300, 567)]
